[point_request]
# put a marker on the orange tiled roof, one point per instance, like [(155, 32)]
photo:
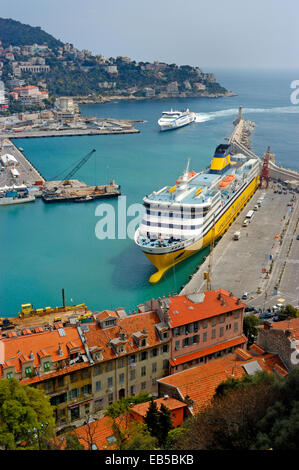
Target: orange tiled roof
[(256, 349), (200, 382), (99, 338), (205, 352), (188, 311), (46, 342), (99, 431), (292, 325), (171, 403)]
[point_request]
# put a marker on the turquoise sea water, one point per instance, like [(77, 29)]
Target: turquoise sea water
[(46, 247)]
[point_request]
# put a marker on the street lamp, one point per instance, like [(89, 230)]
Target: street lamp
[(35, 432)]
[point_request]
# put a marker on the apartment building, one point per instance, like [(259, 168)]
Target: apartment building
[(203, 326), (53, 360), (129, 354)]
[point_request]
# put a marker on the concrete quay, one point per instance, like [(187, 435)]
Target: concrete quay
[(28, 173), (66, 133), (238, 265)]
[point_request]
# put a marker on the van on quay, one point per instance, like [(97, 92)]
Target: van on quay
[(245, 223), (236, 235)]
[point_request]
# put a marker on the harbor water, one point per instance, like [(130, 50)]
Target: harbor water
[(47, 247)]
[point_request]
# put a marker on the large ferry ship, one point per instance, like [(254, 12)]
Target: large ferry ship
[(174, 119), (181, 220)]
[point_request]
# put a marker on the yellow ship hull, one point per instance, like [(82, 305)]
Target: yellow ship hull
[(165, 261)]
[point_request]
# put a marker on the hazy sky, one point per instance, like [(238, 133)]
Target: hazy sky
[(207, 33)]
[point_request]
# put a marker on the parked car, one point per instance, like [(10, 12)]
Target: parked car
[(245, 295)]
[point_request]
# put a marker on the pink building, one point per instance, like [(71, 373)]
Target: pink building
[(204, 326)]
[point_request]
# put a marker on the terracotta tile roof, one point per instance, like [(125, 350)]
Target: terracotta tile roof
[(200, 382), (99, 432), (292, 325), (58, 373), (19, 348), (105, 314), (205, 352), (99, 338), (243, 354), (171, 403), (188, 311), (256, 349)]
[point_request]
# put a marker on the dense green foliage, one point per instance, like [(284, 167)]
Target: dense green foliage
[(257, 412), (25, 416), (19, 34), (158, 422), (250, 324), (288, 311), (140, 438)]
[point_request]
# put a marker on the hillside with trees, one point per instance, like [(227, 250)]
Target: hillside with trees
[(16, 33)]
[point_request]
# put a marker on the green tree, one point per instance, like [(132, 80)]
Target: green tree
[(25, 416), (151, 418), (288, 311), (250, 329), (140, 438), (173, 437), (165, 424), (72, 442)]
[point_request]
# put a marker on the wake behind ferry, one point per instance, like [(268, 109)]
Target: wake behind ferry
[(181, 220), (174, 119)]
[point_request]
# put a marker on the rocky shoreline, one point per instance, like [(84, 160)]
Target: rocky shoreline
[(106, 99)]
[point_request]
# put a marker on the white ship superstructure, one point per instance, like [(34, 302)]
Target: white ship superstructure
[(179, 220), (174, 119)]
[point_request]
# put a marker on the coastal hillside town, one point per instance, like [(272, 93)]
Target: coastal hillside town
[(34, 74), (103, 370)]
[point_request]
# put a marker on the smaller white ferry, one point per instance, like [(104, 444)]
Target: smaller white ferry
[(174, 119)]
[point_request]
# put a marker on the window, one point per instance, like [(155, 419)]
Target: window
[(9, 375), (109, 367), (132, 358), (143, 371), (121, 378), (214, 321), (58, 399), (28, 371), (48, 386), (165, 335), (132, 374), (74, 377), (143, 355), (195, 339), (177, 345), (205, 323), (85, 373), (60, 381), (236, 315), (110, 382), (204, 337), (75, 413), (46, 366), (97, 369), (110, 398), (74, 393), (143, 385), (165, 364), (121, 363), (86, 389), (143, 343), (98, 404), (236, 324), (132, 390), (98, 385), (176, 332), (213, 334), (165, 348), (154, 367), (154, 381), (222, 319), (187, 329), (195, 326), (154, 352), (185, 342), (221, 331)]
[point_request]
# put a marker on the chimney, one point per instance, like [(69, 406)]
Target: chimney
[(166, 397), (267, 325), (31, 355), (60, 352), (238, 301)]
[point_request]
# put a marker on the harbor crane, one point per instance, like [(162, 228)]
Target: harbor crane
[(66, 179)]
